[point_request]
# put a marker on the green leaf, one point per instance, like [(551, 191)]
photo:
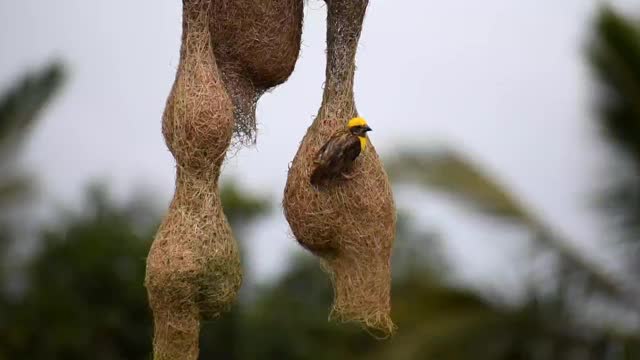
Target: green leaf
[(614, 54), (21, 105)]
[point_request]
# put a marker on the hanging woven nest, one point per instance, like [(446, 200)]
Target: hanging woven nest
[(193, 268), (350, 224), (256, 44)]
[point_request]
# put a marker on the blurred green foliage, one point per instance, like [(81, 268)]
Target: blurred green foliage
[(615, 59), (80, 295)]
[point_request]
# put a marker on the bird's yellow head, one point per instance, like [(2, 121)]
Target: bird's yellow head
[(358, 126)]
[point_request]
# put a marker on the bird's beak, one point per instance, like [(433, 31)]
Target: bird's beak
[(367, 128)]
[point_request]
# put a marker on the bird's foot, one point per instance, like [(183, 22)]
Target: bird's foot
[(347, 176)]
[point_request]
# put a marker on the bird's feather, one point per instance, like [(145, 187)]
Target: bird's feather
[(336, 156)]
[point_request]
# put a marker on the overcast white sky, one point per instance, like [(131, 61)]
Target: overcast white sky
[(503, 80)]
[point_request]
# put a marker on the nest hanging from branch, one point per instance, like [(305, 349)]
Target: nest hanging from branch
[(193, 268), (256, 44), (349, 224)]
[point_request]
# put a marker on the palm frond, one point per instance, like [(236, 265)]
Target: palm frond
[(452, 174), (20, 105), (614, 54)]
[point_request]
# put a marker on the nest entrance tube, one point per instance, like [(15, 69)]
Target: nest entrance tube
[(349, 225)]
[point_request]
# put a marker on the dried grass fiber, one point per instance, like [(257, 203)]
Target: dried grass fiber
[(193, 268), (256, 44), (350, 224)]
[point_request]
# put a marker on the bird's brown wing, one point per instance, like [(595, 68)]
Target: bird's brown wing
[(335, 156), (326, 152), (353, 149)]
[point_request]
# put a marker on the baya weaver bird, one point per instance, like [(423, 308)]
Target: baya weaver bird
[(336, 157)]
